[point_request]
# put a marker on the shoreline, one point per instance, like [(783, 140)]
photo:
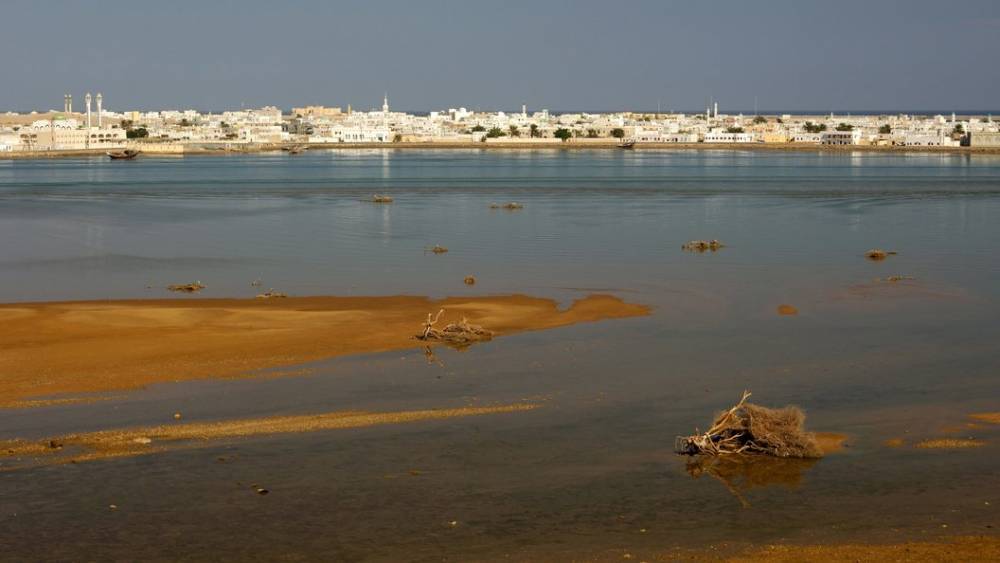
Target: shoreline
[(58, 350), (502, 146)]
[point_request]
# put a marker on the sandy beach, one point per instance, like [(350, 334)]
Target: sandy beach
[(98, 346)]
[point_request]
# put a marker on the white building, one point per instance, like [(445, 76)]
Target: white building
[(726, 137), (852, 137)]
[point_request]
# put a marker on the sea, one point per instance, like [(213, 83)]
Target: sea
[(592, 473)]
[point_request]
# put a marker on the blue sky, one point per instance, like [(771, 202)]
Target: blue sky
[(557, 54)]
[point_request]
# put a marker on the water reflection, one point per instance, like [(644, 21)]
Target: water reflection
[(742, 473)]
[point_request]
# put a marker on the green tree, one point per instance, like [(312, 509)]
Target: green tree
[(562, 134), (126, 124), (514, 131), (533, 131), (140, 133), (885, 129), (397, 138), (734, 129), (618, 133), (758, 119), (845, 127), (591, 133), (811, 127), (478, 128), (958, 129), (185, 123), (495, 132)]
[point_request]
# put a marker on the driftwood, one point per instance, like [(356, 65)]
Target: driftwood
[(751, 429), (458, 334), (702, 245), (187, 287)]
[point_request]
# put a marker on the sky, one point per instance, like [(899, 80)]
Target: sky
[(562, 55)]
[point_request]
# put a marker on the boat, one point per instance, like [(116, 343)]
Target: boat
[(626, 144), (127, 154)]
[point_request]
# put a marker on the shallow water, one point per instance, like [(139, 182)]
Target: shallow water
[(591, 468)]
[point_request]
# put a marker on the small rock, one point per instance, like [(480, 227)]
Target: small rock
[(787, 310)]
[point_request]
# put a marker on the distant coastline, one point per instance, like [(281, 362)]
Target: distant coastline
[(177, 150)]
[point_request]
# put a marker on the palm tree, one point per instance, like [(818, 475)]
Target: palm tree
[(533, 131), (514, 132)]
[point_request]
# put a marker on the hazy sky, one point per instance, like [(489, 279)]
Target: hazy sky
[(557, 54)]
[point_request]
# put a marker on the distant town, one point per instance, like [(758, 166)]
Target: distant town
[(95, 127)]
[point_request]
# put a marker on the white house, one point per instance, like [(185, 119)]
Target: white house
[(726, 137), (852, 137)]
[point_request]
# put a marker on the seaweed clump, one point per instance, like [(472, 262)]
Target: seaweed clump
[(271, 294), (187, 287), (510, 206), (895, 279), (752, 429), (702, 245), (460, 334), (877, 254)]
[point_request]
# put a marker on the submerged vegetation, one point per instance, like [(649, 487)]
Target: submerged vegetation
[(702, 245), (187, 287)]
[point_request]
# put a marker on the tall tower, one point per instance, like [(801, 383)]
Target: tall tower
[(87, 99), (524, 110), (66, 103), (385, 103), (715, 113), (99, 98)]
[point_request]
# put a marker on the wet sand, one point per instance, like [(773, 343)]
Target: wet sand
[(124, 442), (98, 346)]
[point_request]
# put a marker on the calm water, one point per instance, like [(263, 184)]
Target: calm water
[(592, 469)]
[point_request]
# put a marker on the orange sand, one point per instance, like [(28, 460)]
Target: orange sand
[(991, 417), (950, 443), (96, 346), (984, 548)]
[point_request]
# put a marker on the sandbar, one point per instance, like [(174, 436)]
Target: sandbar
[(50, 350)]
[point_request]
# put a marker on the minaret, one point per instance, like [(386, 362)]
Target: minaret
[(87, 99), (715, 113), (66, 103), (524, 110), (385, 104), (99, 98)]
